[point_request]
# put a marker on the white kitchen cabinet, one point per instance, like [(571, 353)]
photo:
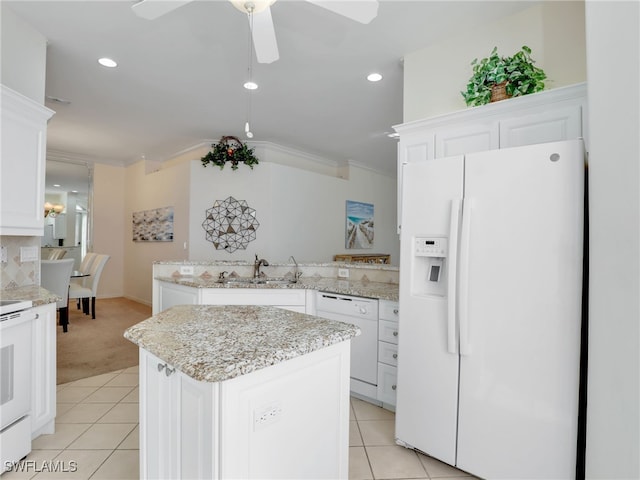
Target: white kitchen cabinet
[(43, 379), (289, 299), (548, 116), (22, 161), (170, 294), (388, 352), (176, 422)]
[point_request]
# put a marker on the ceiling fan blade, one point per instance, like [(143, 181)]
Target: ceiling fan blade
[(152, 9), (264, 37), (362, 11)]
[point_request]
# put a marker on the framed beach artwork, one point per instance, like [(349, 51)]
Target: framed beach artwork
[(359, 225), (153, 225)]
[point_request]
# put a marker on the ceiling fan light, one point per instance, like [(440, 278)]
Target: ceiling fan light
[(253, 6), (250, 85), (374, 77)]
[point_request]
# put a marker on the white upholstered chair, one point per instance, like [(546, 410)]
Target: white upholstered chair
[(57, 254), (55, 276), (89, 288), (85, 267)]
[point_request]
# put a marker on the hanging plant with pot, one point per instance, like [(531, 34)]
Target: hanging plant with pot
[(496, 78), (230, 149)]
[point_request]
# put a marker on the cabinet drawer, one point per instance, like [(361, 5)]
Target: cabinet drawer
[(388, 310), (387, 377), (388, 331), (388, 353)]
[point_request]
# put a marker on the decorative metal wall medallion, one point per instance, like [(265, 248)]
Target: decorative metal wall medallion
[(230, 224)]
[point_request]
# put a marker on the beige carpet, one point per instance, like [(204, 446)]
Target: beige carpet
[(92, 347)]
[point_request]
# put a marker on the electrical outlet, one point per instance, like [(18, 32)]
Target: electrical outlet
[(186, 269), (343, 273), (29, 254), (3, 254)]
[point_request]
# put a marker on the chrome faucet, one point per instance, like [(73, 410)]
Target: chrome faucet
[(296, 273), (257, 264)]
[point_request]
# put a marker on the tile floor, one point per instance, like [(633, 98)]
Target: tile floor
[(97, 438)]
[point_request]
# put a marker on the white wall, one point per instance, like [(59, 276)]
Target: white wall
[(108, 226), (169, 187), (23, 53), (301, 213), (434, 76), (613, 403)]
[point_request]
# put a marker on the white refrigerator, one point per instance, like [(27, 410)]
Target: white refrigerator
[(490, 310)]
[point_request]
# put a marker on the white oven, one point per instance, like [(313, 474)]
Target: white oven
[(15, 381)]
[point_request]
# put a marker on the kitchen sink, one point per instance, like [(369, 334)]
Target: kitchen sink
[(256, 281)]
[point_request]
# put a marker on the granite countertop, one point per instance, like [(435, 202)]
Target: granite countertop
[(216, 343), (38, 295), (360, 288)]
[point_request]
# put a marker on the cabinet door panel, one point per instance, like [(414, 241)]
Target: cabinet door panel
[(387, 381), (157, 420), (24, 138), (552, 125), (467, 139), (171, 295), (43, 393), (196, 427)]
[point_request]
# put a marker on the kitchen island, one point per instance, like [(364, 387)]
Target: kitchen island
[(243, 392)]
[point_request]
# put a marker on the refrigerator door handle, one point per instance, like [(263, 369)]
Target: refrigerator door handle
[(451, 276), (463, 292)]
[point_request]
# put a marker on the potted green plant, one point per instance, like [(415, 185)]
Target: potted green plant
[(516, 75), (230, 149)]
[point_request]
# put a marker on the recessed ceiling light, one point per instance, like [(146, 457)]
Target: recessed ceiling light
[(56, 184), (250, 85), (374, 77), (107, 62)]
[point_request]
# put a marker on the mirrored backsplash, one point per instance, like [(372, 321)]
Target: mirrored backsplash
[(14, 272)]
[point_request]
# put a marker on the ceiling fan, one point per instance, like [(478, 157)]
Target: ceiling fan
[(262, 30)]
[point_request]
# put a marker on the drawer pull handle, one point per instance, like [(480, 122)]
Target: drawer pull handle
[(395, 334), (161, 367), (395, 355), (169, 370), (393, 387), (395, 311)]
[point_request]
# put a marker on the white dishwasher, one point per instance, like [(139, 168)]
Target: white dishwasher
[(362, 312)]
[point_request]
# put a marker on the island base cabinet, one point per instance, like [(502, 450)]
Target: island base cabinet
[(287, 421)]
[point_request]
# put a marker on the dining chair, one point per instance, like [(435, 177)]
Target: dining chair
[(89, 289), (55, 276), (85, 267), (57, 254)]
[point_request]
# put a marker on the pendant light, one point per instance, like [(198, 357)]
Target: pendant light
[(249, 84)]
